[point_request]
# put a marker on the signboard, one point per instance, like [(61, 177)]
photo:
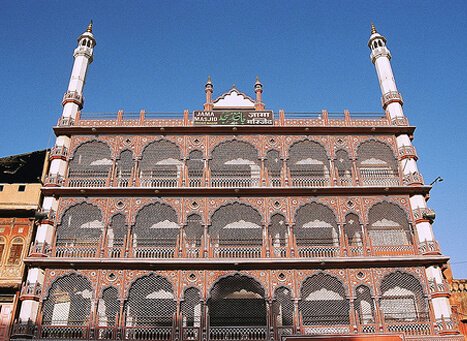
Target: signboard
[(234, 117)]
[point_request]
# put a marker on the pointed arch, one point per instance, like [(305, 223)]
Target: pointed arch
[(274, 167), (116, 235), (278, 235), (192, 308), (354, 236), (283, 307), (160, 164), (364, 305), (79, 231), (195, 164), (194, 231), (343, 166), (235, 164), (124, 168), (90, 165), (377, 164), (308, 164), (108, 307)]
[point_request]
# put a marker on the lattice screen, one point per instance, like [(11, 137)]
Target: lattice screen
[(343, 164), (376, 153), (316, 225), (192, 308), (236, 224), (283, 307), (353, 230), (195, 164), (117, 230), (91, 159), (273, 163), (80, 224), (156, 224), (402, 298), (308, 159), (235, 159), (364, 305), (278, 230), (237, 301), (388, 225), (150, 302), (161, 159), (108, 307), (125, 163), (323, 301), (68, 302), (194, 229)]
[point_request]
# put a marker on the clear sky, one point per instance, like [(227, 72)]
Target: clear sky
[(310, 55)]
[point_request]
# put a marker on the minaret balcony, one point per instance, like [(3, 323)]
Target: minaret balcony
[(447, 325), (391, 97), (438, 289), (31, 291), (54, 180), (407, 152), (73, 97), (429, 247), (40, 249), (422, 214), (26, 330), (46, 216), (58, 152), (400, 121), (66, 122), (414, 179)]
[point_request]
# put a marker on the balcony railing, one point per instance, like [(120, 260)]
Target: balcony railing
[(31, 291), (238, 333), (40, 249)]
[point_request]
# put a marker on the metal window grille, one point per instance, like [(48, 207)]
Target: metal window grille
[(274, 166), (108, 307), (116, 233), (283, 307), (79, 231), (278, 235), (236, 231), (353, 230), (68, 302), (90, 165), (308, 164), (323, 301), (156, 231), (150, 303), (344, 168), (388, 225), (195, 165), (402, 298), (194, 229), (124, 168), (316, 225), (191, 307), (364, 305), (235, 164), (237, 301), (377, 164), (160, 164)]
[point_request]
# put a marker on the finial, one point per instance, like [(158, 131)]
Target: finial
[(233, 86), (209, 80), (89, 29), (257, 80), (373, 28)]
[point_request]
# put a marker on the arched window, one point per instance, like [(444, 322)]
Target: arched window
[(79, 232), (16, 251), (236, 231), (2, 248), (194, 231), (156, 232), (235, 164), (90, 165), (377, 164), (354, 234), (308, 164), (278, 236), (124, 168), (237, 301), (364, 305), (274, 167), (402, 298), (195, 164), (191, 307), (151, 303), (316, 231), (161, 164), (68, 302), (116, 234), (283, 308), (389, 229), (343, 168), (323, 304), (108, 308)]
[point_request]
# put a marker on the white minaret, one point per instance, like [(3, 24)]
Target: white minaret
[(72, 103), (392, 102)]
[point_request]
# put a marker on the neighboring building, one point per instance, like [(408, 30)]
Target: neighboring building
[(233, 223), (20, 193)]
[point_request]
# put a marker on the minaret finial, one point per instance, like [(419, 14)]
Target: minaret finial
[(373, 28), (89, 29), (209, 79), (257, 80)]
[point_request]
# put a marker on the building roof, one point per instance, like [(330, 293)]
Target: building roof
[(22, 168)]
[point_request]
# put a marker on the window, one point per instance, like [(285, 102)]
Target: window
[(16, 250), (1, 188), (21, 188)]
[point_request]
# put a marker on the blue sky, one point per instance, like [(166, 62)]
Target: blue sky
[(310, 55)]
